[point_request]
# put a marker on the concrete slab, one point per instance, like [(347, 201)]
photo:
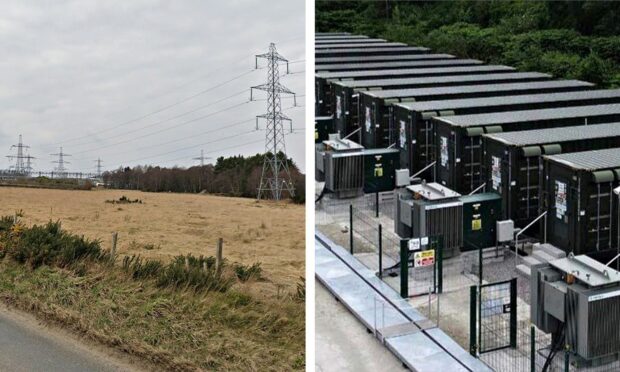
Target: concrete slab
[(378, 306)]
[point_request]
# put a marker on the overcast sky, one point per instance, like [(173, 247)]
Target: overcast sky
[(131, 81)]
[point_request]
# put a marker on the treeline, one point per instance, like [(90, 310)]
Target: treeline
[(232, 176), (569, 39)]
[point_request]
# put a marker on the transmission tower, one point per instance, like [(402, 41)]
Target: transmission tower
[(99, 167), (202, 158), (29, 160), (60, 168), (272, 183), (19, 167)]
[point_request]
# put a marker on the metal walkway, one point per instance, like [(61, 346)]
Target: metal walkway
[(418, 343)]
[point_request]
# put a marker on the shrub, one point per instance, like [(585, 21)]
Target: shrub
[(247, 272)]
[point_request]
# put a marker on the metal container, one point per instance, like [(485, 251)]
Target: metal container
[(375, 59), (512, 162), (354, 41), (459, 138), (418, 62), (345, 93), (323, 127), (371, 51), (376, 107), (480, 215), (380, 167), (582, 209), (356, 45), (324, 80), (414, 127)]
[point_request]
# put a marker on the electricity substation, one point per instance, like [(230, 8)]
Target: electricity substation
[(468, 215)]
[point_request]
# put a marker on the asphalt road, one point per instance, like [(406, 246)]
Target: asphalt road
[(342, 343), (27, 346)]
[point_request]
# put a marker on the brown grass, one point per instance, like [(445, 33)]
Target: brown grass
[(169, 224)]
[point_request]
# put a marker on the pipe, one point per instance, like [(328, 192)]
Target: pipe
[(478, 188), (352, 133), (422, 170), (522, 231)]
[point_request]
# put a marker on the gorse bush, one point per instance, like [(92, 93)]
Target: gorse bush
[(49, 245), (247, 272)]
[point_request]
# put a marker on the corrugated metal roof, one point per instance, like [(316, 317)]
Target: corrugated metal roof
[(443, 79), (414, 71), (404, 64), (531, 115), (370, 50), (352, 41), (450, 104), (360, 45), (475, 88), (555, 135), (365, 59), (589, 160)]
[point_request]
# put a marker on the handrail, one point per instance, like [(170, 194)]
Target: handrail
[(352, 133)]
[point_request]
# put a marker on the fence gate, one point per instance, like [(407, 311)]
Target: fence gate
[(421, 266), (493, 316)]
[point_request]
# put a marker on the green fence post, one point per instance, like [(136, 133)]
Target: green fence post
[(351, 228), (532, 349), (380, 251), (566, 360), (473, 299), (513, 312), (377, 204), (404, 269)]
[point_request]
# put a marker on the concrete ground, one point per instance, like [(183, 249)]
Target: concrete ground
[(342, 342)]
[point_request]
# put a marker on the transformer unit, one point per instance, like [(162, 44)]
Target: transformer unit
[(431, 210), (348, 169), (577, 300), (463, 222)]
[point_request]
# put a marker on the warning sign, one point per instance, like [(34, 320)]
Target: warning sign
[(496, 173), (424, 258), (367, 121), (443, 150), (338, 107), (402, 138), (560, 200)]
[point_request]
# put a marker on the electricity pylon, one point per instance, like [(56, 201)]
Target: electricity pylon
[(272, 183), (60, 168), (20, 166), (202, 158), (99, 167)]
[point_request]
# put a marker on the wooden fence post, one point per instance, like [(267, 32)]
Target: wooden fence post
[(218, 254), (114, 240)]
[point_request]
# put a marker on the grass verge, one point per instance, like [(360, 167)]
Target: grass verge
[(182, 316)]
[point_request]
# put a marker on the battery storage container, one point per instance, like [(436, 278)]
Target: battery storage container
[(370, 51), (376, 107), (459, 138), (414, 127), (582, 209), (513, 162)]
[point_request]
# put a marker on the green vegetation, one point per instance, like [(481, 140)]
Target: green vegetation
[(124, 200), (183, 315), (569, 39), (232, 176)]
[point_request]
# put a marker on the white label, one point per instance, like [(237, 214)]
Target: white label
[(443, 149), (424, 240), (414, 244), (402, 134), (338, 107), (560, 200), (496, 173)]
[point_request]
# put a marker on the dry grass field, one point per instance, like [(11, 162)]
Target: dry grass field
[(169, 224)]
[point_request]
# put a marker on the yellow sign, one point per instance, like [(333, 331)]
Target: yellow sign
[(424, 258), (476, 224), (378, 172)]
